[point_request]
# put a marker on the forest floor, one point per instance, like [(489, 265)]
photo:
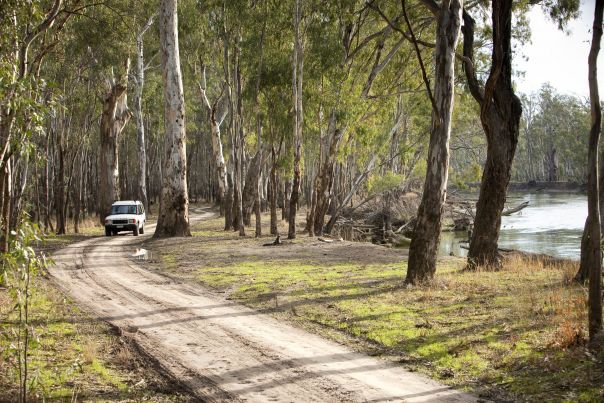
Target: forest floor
[(513, 335), (220, 349)]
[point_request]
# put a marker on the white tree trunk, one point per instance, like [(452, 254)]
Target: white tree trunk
[(173, 217), (138, 114), (216, 113)]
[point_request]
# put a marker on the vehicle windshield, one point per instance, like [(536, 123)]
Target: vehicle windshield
[(123, 209)]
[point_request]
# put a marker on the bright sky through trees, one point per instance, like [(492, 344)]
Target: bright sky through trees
[(558, 57)]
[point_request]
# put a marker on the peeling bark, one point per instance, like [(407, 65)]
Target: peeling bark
[(173, 217), (138, 114)]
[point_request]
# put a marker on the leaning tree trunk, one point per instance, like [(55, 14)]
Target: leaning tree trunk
[(298, 68), (114, 117), (216, 113), (426, 237), (138, 114), (173, 219), (500, 111), (591, 253)]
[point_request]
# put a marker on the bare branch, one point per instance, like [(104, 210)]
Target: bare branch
[(419, 58)]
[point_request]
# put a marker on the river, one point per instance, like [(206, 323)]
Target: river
[(551, 224)]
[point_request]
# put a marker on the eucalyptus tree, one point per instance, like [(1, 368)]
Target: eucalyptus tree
[(298, 73), (28, 33), (173, 219), (500, 112), (114, 117), (591, 252), (426, 235), (139, 82), (216, 112), (361, 70)]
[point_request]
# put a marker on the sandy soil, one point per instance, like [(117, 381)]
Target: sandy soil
[(221, 350)]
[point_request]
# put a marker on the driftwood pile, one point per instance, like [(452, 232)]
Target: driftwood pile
[(392, 221), (381, 221)]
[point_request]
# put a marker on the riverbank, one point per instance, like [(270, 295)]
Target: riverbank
[(551, 224), (513, 335), (534, 186)]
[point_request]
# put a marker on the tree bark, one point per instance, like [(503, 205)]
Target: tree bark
[(424, 244), (60, 188), (138, 114), (173, 219), (239, 145), (217, 113), (274, 192), (325, 177), (114, 118), (591, 253), (298, 69), (500, 111), (251, 188)]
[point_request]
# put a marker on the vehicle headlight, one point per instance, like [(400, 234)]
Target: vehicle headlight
[(107, 221), (131, 221)]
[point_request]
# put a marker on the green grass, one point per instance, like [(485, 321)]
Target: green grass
[(515, 334), (74, 355), (474, 330)]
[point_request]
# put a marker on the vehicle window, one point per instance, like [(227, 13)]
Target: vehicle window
[(142, 209), (123, 209)]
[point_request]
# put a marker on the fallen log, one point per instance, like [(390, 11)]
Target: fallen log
[(515, 209)]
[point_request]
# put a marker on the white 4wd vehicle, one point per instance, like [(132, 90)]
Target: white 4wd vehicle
[(126, 215)]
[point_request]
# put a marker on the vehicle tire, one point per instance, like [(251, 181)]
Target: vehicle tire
[(142, 230), (114, 232), (107, 232), (135, 231)]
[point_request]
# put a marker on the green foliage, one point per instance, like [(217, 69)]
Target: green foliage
[(470, 174), (20, 266), (384, 183)]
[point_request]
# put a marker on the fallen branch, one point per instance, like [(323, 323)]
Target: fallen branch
[(515, 209)]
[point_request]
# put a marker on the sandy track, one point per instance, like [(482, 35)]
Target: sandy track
[(221, 350)]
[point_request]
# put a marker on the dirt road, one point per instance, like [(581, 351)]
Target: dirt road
[(221, 350)]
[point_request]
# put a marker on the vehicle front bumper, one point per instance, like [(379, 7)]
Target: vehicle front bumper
[(120, 227)]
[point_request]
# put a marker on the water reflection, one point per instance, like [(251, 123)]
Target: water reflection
[(551, 224)]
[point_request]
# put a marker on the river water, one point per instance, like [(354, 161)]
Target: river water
[(551, 224)]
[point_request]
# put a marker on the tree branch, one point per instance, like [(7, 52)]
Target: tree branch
[(419, 58), (31, 36)]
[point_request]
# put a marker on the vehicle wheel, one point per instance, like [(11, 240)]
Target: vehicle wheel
[(107, 232), (142, 230), (114, 232), (135, 231)]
